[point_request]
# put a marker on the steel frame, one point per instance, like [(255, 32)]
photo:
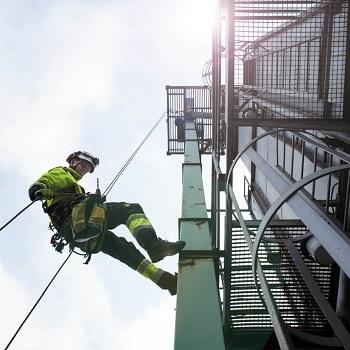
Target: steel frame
[(290, 190), (339, 329), (280, 327), (203, 255), (294, 124), (339, 248), (198, 317)]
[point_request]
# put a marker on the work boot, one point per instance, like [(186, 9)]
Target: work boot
[(169, 282), (160, 249)]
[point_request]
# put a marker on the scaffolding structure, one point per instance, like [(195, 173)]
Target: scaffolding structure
[(274, 274)]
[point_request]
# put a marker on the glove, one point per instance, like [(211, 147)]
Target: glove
[(45, 193), (39, 191)]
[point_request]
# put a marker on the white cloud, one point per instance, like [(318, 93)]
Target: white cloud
[(89, 74), (77, 311), (78, 48), (13, 301), (159, 332)]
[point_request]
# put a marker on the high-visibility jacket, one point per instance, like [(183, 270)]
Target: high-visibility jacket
[(60, 181)]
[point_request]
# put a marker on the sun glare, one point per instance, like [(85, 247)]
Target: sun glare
[(198, 16)]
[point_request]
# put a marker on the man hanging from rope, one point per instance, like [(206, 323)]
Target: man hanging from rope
[(61, 192)]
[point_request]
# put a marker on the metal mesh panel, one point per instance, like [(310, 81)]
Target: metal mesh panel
[(190, 101), (294, 300), (290, 58)]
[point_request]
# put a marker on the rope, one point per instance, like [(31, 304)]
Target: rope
[(108, 189), (37, 302), (18, 214), (110, 186)]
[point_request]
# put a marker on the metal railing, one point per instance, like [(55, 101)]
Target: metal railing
[(194, 102), (268, 267)]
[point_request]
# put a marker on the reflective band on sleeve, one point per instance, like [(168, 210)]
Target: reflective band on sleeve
[(137, 222), (149, 270)]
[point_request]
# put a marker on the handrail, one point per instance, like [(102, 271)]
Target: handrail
[(254, 247)]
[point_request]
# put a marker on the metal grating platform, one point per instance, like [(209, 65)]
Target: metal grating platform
[(193, 102), (290, 58), (297, 306)]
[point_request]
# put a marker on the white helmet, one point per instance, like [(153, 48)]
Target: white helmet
[(93, 161)]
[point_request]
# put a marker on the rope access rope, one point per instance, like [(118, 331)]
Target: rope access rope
[(37, 302), (108, 189), (110, 186), (18, 214)]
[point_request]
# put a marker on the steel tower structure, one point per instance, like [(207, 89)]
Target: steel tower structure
[(274, 274)]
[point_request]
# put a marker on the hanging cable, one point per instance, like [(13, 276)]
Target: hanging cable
[(110, 186), (108, 189), (37, 302), (18, 214)]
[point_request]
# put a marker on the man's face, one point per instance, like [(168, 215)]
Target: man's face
[(81, 166)]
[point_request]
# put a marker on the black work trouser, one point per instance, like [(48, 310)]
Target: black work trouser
[(131, 215), (118, 247), (121, 249)]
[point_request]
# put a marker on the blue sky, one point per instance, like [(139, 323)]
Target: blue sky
[(90, 75)]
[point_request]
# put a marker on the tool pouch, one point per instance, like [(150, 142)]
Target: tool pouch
[(89, 220)]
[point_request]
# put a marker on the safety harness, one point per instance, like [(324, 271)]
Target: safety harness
[(79, 222)]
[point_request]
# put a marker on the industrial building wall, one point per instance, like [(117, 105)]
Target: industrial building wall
[(292, 70), (299, 68)]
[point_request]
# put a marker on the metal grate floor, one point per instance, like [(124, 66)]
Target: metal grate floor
[(195, 100), (297, 307)]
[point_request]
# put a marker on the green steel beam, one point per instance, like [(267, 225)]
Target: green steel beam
[(198, 317)]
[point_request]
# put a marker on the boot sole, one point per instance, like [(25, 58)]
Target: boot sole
[(159, 257)]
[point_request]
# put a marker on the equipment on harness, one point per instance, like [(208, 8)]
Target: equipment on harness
[(86, 226), (92, 160), (58, 242), (62, 210), (88, 218), (79, 222)]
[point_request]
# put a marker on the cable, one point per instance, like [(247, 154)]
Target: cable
[(110, 186), (18, 214), (37, 302), (108, 189)]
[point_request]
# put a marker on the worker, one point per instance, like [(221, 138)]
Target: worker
[(61, 193)]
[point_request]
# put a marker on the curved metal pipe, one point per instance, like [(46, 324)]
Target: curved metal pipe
[(256, 139), (274, 208), (283, 199)]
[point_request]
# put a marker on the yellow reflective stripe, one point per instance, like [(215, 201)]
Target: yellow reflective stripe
[(137, 223), (78, 218), (98, 215), (132, 217), (84, 225), (149, 270)]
